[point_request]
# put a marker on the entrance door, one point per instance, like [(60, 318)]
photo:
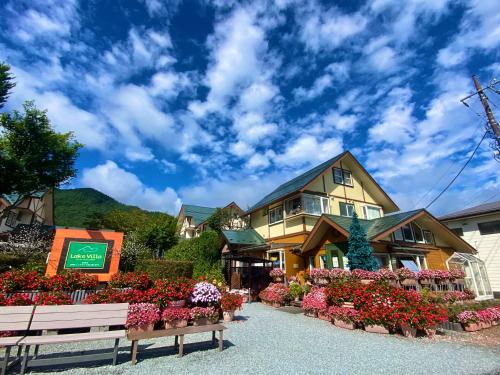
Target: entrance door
[(278, 258)]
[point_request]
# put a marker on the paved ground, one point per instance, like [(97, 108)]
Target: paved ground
[(265, 341)]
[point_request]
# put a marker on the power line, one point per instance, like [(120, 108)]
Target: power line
[(459, 172)]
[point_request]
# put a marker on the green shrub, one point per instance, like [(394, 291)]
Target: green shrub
[(295, 290), (8, 261), (203, 251), (161, 268)]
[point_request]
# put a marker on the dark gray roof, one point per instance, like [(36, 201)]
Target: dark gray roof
[(473, 211)]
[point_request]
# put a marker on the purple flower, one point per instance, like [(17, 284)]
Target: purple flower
[(205, 293)]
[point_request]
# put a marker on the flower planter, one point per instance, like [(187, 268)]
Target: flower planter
[(393, 283), (278, 279), (431, 331), (245, 298), (409, 282), (366, 281), (202, 322), (141, 329), (322, 281), (408, 331), (311, 314), (276, 304), (180, 303), (178, 323), (345, 325), (425, 281), (459, 281), (348, 305), (228, 316), (485, 325), (472, 327), (323, 315), (375, 328)]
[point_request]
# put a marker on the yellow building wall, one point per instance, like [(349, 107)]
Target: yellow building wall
[(259, 222)]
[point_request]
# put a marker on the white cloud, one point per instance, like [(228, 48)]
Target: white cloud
[(322, 29), (343, 123), (317, 89), (307, 150), (126, 187), (167, 166), (258, 161), (241, 149)]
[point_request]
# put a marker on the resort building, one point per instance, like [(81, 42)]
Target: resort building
[(38, 207), (304, 223), (480, 227), (192, 220)]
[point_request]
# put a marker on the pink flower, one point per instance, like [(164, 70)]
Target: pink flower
[(315, 300), (142, 314)]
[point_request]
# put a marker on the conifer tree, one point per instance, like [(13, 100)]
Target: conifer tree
[(360, 252)]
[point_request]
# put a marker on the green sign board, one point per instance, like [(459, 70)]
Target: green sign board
[(86, 255)]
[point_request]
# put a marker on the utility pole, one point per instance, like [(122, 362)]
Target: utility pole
[(489, 113)]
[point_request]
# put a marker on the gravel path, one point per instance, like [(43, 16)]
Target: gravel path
[(265, 340)]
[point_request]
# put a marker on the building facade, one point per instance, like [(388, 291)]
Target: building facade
[(480, 227), (304, 223), (38, 207)]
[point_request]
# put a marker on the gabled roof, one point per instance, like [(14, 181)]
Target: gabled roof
[(12, 198), (198, 213), (377, 226), (247, 236), (378, 229), (295, 184), (482, 209)]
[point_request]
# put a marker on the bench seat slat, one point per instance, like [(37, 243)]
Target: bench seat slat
[(82, 308), (77, 323), (15, 318), (81, 315), (10, 341), (73, 337)]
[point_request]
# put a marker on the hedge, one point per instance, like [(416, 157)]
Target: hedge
[(8, 261), (161, 268)]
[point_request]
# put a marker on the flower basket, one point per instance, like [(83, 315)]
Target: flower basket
[(278, 279), (141, 329), (375, 328), (471, 327), (179, 303), (202, 322), (430, 331), (425, 281), (459, 281), (276, 304), (245, 298), (409, 282), (322, 281), (178, 323), (348, 305), (228, 316), (323, 315), (408, 331), (311, 313), (345, 325)]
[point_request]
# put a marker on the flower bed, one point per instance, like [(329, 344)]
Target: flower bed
[(20, 281), (476, 320), (315, 301), (275, 293), (134, 280)]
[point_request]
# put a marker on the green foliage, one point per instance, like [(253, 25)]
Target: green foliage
[(33, 156), (360, 252), (216, 220), (159, 234), (88, 207), (295, 290), (215, 275), (455, 309), (161, 268), (6, 83), (203, 251), (8, 261)]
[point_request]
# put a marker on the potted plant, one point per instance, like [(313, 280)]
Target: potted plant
[(296, 291), (339, 273), (320, 276), (205, 294), (441, 276), (173, 292), (425, 277), (470, 321), (277, 275), (204, 315), (134, 280), (389, 276), (366, 277), (176, 317), (314, 301), (457, 275), (142, 317), (229, 303), (344, 317), (406, 276)]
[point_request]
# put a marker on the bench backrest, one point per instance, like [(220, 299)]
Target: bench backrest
[(79, 316), (15, 318)]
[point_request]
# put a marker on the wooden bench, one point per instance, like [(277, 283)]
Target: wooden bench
[(13, 318), (179, 334), (73, 316)]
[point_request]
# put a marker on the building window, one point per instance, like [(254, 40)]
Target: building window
[(408, 233), (315, 205), (293, 206), (428, 237), (346, 209), (489, 227), (417, 232), (275, 214), (372, 212), (458, 231), (398, 235), (11, 219), (342, 176), (278, 259)]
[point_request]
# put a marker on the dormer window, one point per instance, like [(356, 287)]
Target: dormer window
[(342, 176)]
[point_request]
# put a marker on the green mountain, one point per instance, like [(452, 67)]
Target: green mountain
[(74, 206)]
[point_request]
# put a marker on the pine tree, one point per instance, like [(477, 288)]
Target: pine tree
[(360, 251), (6, 83)]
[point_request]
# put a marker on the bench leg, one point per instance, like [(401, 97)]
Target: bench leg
[(176, 342), (181, 346), (36, 351), (221, 340), (25, 360), (133, 358), (115, 352), (213, 337), (5, 362)]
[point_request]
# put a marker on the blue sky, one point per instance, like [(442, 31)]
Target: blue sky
[(205, 102)]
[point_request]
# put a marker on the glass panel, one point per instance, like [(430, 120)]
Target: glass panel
[(486, 281), (325, 205), (322, 261), (275, 214), (372, 212), (337, 176), (407, 233), (490, 227), (417, 231), (347, 178), (398, 235), (458, 231), (428, 237), (293, 206), (476, 274), (346, 209), (312, 205), (382, 260)]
